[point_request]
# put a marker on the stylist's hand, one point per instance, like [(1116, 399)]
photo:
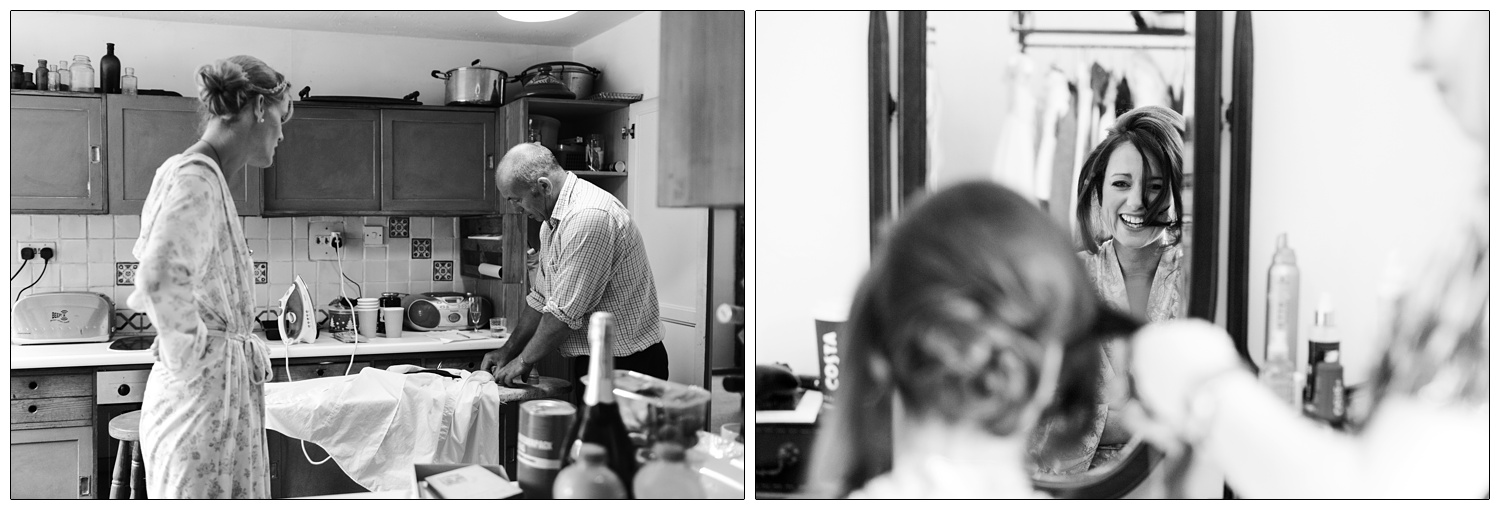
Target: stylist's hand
[(513, 374), (497, 358), (1168, 360)]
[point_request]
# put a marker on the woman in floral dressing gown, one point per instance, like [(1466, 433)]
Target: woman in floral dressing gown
[(202, 430)]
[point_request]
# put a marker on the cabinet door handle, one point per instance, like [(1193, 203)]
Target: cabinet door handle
[(489, 162), (94, 153), (84, 487)]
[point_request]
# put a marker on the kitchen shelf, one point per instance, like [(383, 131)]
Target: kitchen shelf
[(571, 108)]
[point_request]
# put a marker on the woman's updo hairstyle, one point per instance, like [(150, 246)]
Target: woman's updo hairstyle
[(227, 86)]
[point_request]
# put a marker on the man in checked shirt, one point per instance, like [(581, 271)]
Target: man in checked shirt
[(591, 259)]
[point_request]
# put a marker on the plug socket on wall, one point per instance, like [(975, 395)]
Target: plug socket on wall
[(320, 240), (37, 247)]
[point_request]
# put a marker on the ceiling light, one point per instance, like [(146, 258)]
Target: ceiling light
[(535, 16)]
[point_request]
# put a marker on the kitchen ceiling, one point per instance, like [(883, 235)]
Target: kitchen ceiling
[(480, 26)]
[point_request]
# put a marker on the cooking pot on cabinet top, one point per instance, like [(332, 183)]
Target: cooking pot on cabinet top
[(578, 78), (472, 85)]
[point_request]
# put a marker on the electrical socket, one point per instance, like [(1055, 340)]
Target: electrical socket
[(36, 245), (374, 235), (320, 240)]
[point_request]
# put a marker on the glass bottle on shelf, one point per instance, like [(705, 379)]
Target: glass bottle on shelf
[(41, 74), (64, 76), (127, 82), (109, 71), (52, 77), (27, 82), (595, 154), (83, 74), (16, 78)]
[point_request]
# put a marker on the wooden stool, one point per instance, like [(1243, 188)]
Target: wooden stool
[(126, 428)]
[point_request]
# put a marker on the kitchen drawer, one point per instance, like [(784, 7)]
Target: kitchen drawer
[(49, 386), (315, 370), (470, 363), (46, 410)]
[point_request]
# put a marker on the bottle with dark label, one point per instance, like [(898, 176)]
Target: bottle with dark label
[(600, 423), (109, 71)]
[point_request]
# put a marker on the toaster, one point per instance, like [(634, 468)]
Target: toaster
[(60, 318), (441, 311)]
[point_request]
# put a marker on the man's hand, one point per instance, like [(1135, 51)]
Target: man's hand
[(497, 358), (513, 374)]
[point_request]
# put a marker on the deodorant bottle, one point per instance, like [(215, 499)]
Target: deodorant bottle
[(1323, 339)]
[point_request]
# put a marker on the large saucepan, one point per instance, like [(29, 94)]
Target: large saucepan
[(473, 85)]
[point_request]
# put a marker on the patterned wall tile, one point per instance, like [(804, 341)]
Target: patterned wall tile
[(442, 270), (262, 273), (400, 227), (125, 272), (421, 248)]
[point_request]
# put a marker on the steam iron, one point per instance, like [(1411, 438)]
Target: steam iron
[(297, 321)]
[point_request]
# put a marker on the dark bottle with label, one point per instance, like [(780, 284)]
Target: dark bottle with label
[(600, 422), (41, 74), (109, 71)]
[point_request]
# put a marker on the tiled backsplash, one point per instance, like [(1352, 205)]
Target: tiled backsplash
[(94, 255)]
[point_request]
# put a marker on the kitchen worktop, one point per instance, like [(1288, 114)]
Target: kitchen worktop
[(99, 354)]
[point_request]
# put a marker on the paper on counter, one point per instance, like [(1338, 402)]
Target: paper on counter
[(449, 337)]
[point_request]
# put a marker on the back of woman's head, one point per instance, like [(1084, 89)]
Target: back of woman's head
[(1156, 133), (226, 87), (955, 316)]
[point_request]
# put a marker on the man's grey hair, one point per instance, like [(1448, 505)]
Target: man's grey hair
[(526, 163)]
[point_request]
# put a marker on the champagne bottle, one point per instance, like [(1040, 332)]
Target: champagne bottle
[(600, 423)]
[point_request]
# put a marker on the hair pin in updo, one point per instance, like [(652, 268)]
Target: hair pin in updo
[(270, 91)]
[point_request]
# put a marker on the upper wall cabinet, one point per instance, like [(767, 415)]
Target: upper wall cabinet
[(328, 162), (57, 153), (702, 109), (438, 161), (144, 131), (384, 161)]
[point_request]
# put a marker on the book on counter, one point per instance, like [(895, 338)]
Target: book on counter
[(471, 482)]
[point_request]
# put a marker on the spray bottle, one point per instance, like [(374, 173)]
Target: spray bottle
[(1282, 285)]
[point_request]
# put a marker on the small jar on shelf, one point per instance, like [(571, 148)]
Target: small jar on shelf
[(83, 74), (52, 76), (64, 76), (127, 82)]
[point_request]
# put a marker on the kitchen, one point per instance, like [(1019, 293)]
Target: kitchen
[(398, 177)]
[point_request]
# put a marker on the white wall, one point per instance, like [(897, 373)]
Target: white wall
[(1355, 158), (811, 176), (628, 54), (165, 54), (966, 73)]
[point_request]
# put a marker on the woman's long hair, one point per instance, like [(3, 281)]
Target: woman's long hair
[(954, 316), (1156, 133)]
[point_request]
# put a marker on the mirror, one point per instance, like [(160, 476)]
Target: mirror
[(1027, 106)]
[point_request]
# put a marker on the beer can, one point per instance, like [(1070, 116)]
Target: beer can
[(540, 445)]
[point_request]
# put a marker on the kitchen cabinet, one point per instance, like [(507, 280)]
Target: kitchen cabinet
[(438, 161), (328, 162), (52, 434), (702, 109), (362, 160), (146, 130), (57, 153)]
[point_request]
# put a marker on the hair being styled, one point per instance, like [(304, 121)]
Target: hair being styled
[(1156, 133), (226, 87), (954, 316)]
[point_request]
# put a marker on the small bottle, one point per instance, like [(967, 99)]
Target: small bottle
[(588, 478), (52, 77), (127, 82), (64, 76), (595, 154), (1282, 286), (17, 76), (83, 74), (109, 71), (1328, 391), (41, 74), (668, 476), (27, 81), (1323, 338)]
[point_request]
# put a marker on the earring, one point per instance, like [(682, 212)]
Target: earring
[(261, 120)]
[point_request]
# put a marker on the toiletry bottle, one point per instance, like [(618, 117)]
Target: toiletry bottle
[(64, 76), (1328, 391), (1282, 285), (1323, 338)]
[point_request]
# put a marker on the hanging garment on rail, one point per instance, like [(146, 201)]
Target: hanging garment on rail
[(1014, 161), (377, 423)]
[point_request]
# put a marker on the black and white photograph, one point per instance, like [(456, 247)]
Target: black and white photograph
[(379, 255), (1122, 254)]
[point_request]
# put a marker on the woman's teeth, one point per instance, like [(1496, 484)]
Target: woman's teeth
[(1133, 221)]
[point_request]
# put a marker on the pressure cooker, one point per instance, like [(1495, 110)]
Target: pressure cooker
[(577, 77), (473, 85)]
